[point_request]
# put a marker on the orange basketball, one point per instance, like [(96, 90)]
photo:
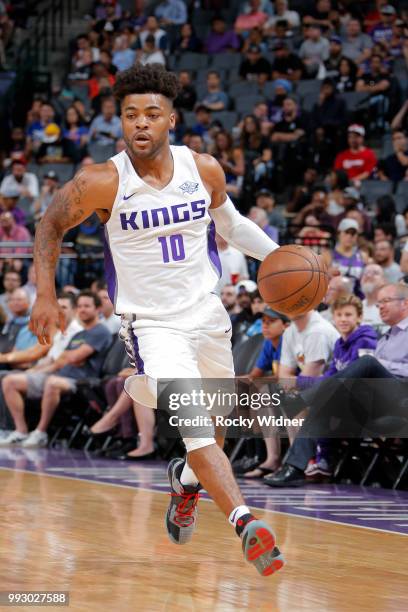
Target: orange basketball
[(293, 279)]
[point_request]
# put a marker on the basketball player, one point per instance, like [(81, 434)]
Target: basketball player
[(160, 206)]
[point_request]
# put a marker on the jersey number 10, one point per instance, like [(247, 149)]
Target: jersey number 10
[(176, 251)]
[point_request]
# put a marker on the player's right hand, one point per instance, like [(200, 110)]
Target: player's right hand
[(46, 319)]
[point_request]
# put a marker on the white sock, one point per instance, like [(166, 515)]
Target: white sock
[(237, 513), (188, 477)]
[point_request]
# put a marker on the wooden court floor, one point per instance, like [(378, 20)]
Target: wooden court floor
[(107, 546)]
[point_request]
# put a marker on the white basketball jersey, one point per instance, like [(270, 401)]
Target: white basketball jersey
[(160, 251)]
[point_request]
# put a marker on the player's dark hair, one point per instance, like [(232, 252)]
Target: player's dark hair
[(139, 79), (87, 293)]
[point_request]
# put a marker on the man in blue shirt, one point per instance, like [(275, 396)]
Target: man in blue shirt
[(171, 12), (273, 326), (106, 128)]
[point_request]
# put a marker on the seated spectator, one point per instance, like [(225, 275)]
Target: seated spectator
[(11, 280), (215, 99), (152, 28), (346, 255), (106, 58), (354, 337), (187, 40), (123, 56), (187, 95), (16, 335), (107, 315), (254, 66), (110, 21), (35, 130), (233, 264), (383, 31), (150, 54), (353, 208), (16, 148), (220, 40), (264, 199), (100, 82), (253, 18), (282, 89), (75, 130), (386, 214), (302, 194), (26, 183), (356, 45), (171, 13), (255, 37), (9, 198), (371, 282), (403, 262), (400, 121), (55, 149), (203, 117), (106, 128), (396, 164), (339, 287), (384, 256), (329, 112), (231, 159), (321, 14), (282, 12), (11, 232), (257, 306), (82, 358), (314, 50), (243, 318), (358, 160), (347, 77), (332, 64), (288, 135), (376, 82), (228, 296), (48, 189), (260, 217), (84, 56), (286, 65), (273, 325), (336, 181)]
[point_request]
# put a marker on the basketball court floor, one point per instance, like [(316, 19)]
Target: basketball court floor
[(95, 528)]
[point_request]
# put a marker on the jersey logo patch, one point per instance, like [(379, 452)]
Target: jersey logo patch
[(188, 187)]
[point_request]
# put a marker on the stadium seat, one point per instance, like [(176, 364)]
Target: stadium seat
[(65, 172), (228, 119), (372, 190), (245, 104), (225, 60), (269, 89), (401, 196), (101, 153), (246, 354), (243, 88), (355, 100), (201, 75), (306, 87), (309, 100), (386, 146), (189, 118), (192, 61)]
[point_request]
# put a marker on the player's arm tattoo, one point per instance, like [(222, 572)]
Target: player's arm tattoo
[(65, 211)]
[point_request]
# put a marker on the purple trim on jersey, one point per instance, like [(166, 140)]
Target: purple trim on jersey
[(138, 360), (212, 249), (110, 272)]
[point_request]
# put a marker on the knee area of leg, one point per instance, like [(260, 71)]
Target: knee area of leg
[(192, 444)]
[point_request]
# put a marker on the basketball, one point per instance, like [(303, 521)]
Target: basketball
[(292, 279)]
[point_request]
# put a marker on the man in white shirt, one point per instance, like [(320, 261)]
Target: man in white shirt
[(17, 385), (307, 345), (26, 183), (371, 280), (233, 264)]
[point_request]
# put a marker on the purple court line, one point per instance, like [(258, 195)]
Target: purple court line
[(369, 508)]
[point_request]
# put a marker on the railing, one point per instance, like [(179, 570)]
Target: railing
[(29, 245)]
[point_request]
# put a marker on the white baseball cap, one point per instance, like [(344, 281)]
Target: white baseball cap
[(347, 224), (357, 129)]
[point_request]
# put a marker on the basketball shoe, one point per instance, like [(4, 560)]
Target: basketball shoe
[(258, 545), (181, 517)]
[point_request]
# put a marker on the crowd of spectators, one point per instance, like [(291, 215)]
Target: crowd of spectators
[(304, 108)]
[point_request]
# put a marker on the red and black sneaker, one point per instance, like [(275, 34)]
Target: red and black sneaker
[(181, 516)]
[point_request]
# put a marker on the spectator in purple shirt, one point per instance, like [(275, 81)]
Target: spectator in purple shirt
[(9, 197), (220, 39), (383, 32)]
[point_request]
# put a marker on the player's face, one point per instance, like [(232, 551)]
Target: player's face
[(346, 319), (146, 121)]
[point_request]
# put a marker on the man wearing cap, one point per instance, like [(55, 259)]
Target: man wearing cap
[(346, 256), (9, 197), (382, 32), (286, 65), (26, 183), (335, 55), (254, 66), (358, 161), (55, 149)]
